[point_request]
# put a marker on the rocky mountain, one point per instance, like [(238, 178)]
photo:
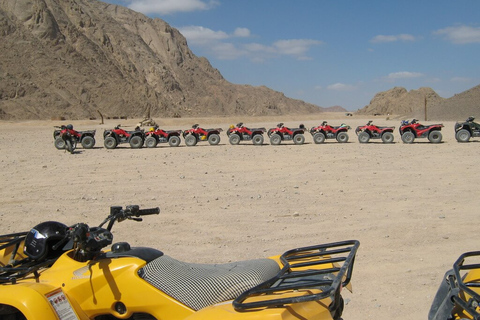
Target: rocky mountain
[(411, 104), (75, 58), (399, 101), (457, 108)]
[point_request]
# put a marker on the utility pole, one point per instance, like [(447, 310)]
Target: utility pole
[(425, 108)]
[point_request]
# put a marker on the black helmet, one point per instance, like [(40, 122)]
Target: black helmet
[(69, 127), (40, 240)]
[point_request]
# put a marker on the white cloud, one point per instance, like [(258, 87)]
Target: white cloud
[(460, 34), (170, 6), (341, 87), (404, 75), (295, 47), (392, 38), (202, 36), (460, 79), (218, 44), (242, 33), (227, 51)]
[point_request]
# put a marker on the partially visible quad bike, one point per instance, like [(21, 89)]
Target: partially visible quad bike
[(370, 131), (458, 296), (280, 132), (466, 130), (157, 135), (86, 138), (240, 132), (412, 130), (195, 134), (326, 131), (58, 272), (112, 138)]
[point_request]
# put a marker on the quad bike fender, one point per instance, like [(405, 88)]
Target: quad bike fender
[(31, 299), (313, 310)]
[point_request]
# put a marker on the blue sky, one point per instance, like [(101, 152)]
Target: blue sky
[(331, 52)]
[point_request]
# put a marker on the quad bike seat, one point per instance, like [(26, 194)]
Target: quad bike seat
[(201, 285)]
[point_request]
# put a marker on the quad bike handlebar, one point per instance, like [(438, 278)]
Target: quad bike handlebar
[(89, 241)]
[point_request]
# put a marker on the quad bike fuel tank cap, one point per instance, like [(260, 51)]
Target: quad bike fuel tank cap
[(120, 247)]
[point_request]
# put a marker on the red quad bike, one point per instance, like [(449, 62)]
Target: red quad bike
[(86, 138), (157, 135), (370, 131), (196, 134), (411, 130), (240, 132), (326, 131), (280, 132), (112, 138)]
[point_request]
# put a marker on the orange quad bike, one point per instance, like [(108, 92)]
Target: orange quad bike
[(458, 296), (62, 272)]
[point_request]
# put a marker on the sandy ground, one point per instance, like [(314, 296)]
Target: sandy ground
[(413, 207)]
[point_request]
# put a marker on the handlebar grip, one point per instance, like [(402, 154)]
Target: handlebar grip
[(144, 212)]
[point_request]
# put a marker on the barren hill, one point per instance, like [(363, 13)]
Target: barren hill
[(399, 101), (457, 108), (411, 104), (70, 58)]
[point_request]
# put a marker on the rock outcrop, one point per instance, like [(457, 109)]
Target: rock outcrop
[(75, 58)]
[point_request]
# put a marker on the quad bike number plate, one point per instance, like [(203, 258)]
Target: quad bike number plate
[(62, 306)]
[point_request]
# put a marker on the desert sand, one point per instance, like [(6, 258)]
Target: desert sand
[(412, 207)]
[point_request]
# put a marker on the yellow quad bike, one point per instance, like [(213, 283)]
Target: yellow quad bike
[(59, 272), (459, 294)]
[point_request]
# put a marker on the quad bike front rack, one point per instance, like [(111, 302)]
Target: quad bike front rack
[(14, 269), (325, 268)]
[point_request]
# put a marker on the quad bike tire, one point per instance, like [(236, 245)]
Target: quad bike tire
[(88, 142), (299, 138), (257, 140), (234, 139), (388, 137), (214, 139), (435, 136), (110, 143), (463, 135), (363, 137), (342, 137), (59, 143), (190, 140), (319, 138), (151, 142), (408, 137), (174, 141), (275, 139), (136, 142)]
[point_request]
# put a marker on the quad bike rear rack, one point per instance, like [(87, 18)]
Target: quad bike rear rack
[(325, 268), (460, 268)]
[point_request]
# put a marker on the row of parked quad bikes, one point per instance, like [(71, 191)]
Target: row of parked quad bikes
[(409, 131)]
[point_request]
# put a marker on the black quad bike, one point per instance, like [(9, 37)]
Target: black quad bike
[(280, 133), (239, 132), (86, 138), (466, 130), (195, 134), (112, 138)]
